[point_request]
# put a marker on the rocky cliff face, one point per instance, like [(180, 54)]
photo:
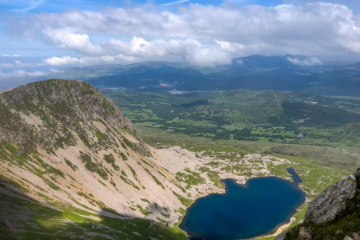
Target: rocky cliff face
[(65, 146), (332, 201), (334, 214)]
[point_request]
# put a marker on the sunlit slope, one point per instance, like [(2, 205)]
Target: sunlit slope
[(69, 156)]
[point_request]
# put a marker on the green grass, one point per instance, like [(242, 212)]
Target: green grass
[(11, 148), (186, 202), (70, 164), (145, 200), (213, 176), (92, 166), (243, 115), (190, 178), (155, 178), (128, 181), (38, 222), (143, 211), (123, 156), (111, 160)]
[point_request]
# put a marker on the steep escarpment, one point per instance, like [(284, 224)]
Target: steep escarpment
[(333, 214), (66, 147)]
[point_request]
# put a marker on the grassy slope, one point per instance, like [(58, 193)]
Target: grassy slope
[(44, 223)]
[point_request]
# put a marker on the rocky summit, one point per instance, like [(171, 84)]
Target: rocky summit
[(333, 214)]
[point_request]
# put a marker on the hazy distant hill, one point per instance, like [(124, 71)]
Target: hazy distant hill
[(253, 72)]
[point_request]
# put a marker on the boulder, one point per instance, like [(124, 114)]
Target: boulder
[(357, 173), (356, 236), (348, 238), (305, 234), (339, 232), (332, 201)]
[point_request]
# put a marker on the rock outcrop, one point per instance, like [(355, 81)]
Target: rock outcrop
[(332, 201), (356, 236), (305, 233), (333, 214), (348, 238)]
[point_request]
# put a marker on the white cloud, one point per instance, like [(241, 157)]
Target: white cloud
[(32, 5), (21, 74), (7, 55), (240, 61), (16, 64), (312, 61), (357, 20), (208, 57), (56, 71), (214, 33), (19, 64), (232, 47), (176, 2), (67, 60), (6, 65), (138, 49), (69, 40)]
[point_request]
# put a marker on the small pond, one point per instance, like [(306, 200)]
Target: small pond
[(244, 211)]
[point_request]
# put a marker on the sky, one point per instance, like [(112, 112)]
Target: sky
[(38, 37)]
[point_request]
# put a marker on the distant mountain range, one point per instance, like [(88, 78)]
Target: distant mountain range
[(253, 72)]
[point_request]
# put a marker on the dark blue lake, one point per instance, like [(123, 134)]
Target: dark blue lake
[(244, 211)]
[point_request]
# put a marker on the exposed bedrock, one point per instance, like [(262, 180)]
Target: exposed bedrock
[(332, 201), (333, 214)]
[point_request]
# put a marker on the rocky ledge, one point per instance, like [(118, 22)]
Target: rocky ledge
[(333, 215)]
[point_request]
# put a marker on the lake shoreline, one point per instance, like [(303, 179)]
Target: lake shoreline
[(280, 227), (283, 226)]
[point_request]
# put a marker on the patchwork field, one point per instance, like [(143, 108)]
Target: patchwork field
[(264, 116)]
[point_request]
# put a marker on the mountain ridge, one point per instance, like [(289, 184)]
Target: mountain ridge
[(64, 144), (253, 72)]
